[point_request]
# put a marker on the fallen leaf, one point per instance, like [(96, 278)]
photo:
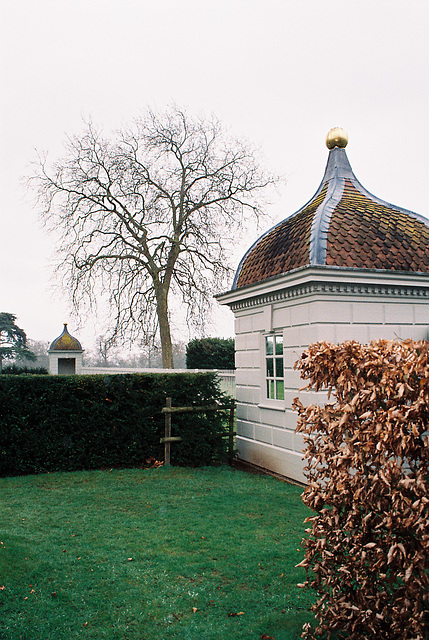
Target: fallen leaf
[(2, 588), (194, 609), (265, 637), (240, 613)]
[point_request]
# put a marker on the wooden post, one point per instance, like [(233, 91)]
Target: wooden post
[(167, 443), (231, 433)]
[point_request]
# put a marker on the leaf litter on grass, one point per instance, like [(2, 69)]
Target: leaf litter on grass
[(215, 540)]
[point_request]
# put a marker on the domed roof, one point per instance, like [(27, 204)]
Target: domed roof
[(65, 342), (343, 225)]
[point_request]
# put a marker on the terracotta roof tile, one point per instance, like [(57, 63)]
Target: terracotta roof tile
[(282, 249), (383, 237), (343, 226)]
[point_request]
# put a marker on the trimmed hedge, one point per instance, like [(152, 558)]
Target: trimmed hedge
[(16, 370), (211, 353), (68, 423), (367, 452)]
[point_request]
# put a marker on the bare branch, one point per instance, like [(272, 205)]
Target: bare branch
[(149, 211)]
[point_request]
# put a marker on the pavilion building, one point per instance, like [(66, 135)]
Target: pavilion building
[(65, 355), (346, 266)]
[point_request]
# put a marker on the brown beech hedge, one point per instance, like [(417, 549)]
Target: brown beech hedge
[(367, 452)]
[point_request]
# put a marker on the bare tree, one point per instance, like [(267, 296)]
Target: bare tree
[(105, 349), (148, 213), (40, 350), (104, 354)]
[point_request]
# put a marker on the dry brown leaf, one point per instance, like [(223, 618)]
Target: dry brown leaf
[(370, 500)]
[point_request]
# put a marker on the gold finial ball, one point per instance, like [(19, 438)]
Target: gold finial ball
[(337, 137)]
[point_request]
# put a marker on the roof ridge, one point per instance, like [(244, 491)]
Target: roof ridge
[(278, 224), (321, 220), (338, 168)]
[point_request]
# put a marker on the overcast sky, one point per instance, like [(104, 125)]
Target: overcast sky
[(279, 73)]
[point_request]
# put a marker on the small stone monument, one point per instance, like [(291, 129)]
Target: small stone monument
[(65, 355)]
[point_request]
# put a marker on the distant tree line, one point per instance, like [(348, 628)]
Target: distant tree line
[(148, 355), (30, 356)]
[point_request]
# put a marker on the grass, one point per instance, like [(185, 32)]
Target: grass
[(206, 554)]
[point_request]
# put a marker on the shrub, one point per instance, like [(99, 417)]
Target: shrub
[(368, 482), (65, 423), (15, 370), (210, 353)]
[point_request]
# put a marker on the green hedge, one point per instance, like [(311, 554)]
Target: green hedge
[(67, 423), (16, 370), (211, 353)]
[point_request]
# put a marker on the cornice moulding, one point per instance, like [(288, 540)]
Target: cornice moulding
[(329, 280)]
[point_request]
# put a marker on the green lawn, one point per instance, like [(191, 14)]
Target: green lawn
[(199, 554)]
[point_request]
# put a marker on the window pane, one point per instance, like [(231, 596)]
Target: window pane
[(279, 345), (270, 389), (270, 367), (279, 367), (269, 345), (280, 390)]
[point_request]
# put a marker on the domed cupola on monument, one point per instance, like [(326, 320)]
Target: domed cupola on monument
[(65, 354), (346, 266)]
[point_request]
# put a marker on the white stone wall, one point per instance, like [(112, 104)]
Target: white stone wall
[(266, 428), (56, 355), (226, 377)]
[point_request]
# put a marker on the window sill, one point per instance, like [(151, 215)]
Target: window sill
[(278, 406)]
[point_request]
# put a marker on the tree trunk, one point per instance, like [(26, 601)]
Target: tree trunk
[(164, 329)]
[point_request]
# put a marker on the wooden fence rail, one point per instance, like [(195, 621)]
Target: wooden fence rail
[(168, 439)]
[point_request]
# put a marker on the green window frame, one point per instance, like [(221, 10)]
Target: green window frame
[(274, 367)]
